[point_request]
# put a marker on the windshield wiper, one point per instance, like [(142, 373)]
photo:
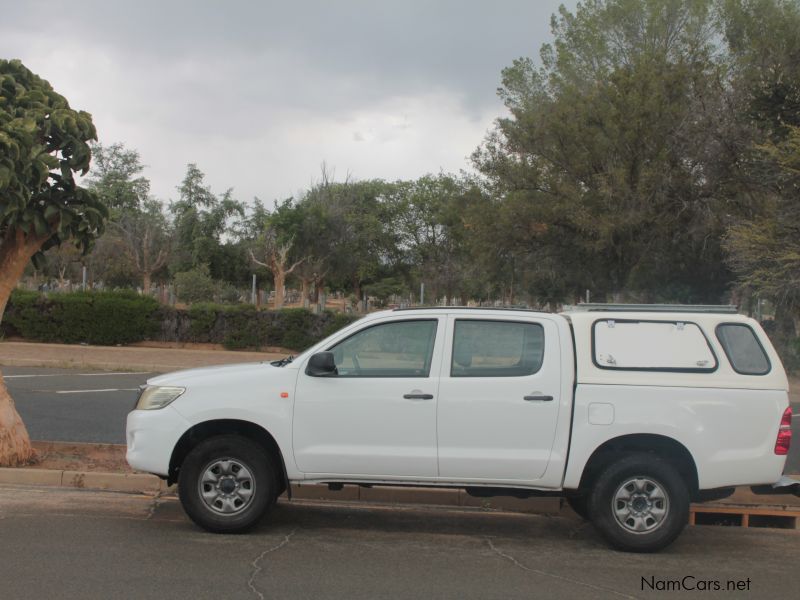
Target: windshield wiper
[(282, 362)]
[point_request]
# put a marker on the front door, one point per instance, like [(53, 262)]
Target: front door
[(377, 417), (498, 398)]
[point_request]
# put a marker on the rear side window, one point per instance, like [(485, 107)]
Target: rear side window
[(652, 346), (743, 349), (496, 349)]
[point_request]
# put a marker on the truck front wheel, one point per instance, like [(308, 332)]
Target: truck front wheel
[(227, 483), (640, 503)]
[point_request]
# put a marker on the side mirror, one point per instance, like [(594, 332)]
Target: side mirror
[(322, 364)]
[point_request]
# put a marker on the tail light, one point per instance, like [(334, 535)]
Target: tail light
[(784, 438)]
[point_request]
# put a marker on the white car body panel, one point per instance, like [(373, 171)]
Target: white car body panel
[(359, 428), (487, 432), (479, 431)]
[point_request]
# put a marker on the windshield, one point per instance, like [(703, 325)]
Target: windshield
[(319, 346)]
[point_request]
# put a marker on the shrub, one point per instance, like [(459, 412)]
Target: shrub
[(123, 317), (335, 322), (244, 327), (195, 285), (202, 319), (292, 328), (104, 318)]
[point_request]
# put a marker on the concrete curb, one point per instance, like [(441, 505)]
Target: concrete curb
[(114, 482), (150, 484)]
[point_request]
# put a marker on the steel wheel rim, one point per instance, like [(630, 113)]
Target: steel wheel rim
[(640, 505), (227, 486)]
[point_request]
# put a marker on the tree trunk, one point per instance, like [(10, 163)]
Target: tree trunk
[(280, 280), (306, 283), (146, 283), (357, 294), (15, 444), (318, 290)]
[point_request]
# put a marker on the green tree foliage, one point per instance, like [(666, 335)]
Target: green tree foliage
[(195, 285), (351, 227), (764, 44), (607, 164), (116, 178), (137, 245), (431, 218), (762, 243), (765, 250), (43, 143), (202, 220)]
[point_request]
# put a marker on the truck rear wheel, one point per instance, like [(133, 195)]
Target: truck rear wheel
[(227, 484), (640, 503)]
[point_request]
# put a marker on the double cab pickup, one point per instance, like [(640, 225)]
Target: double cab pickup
[(630, 413)]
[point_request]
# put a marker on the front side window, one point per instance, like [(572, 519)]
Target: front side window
[(743, 349), (399, 349), (496, 349), (651, 346)]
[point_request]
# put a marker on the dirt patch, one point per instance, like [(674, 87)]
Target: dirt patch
[(198, 346), (64, 456)]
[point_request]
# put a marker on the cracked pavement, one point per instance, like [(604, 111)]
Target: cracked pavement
[(87, 544)]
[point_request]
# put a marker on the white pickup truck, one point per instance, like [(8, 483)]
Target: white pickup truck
[(629, 413)]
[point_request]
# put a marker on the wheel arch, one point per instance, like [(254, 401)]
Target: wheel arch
[(202, 431), (659, 445)]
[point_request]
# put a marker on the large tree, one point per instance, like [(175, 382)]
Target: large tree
[(203, 222), (763, 242), (611, 163), (145, 235), (43, 143), (139, 236)]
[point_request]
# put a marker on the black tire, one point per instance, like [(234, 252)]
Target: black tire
[(648, 477), (246, 467), (580, 505)]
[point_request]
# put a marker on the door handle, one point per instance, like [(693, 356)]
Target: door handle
[(538, 398), (416, 396)]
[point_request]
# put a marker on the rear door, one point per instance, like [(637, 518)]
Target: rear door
[(499, 395)]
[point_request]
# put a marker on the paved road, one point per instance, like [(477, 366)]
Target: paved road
[(84, 406), (80, 544), (68, 405)]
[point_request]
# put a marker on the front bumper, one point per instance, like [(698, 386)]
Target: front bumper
[(151, 436), (785, 485)]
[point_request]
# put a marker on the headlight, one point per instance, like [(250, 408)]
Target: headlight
[(156, 396)]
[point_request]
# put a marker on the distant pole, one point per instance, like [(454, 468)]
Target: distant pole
[(422, 293), (83, 285), (588, 296), (253, 296)]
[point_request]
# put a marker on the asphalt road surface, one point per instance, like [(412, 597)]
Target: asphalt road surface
[(67, 405), (85, 406), (59, 543)]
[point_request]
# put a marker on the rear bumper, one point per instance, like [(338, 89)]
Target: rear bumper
[(785, 485)]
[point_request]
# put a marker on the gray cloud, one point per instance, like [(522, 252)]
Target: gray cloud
[(259, 93)]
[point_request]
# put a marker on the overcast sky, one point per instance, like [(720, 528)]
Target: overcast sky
[(259, 94)]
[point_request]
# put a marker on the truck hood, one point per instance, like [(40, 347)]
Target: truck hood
[(193, 376)]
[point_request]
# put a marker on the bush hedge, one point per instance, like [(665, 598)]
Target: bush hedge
[(109, 318), (103, 318)]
